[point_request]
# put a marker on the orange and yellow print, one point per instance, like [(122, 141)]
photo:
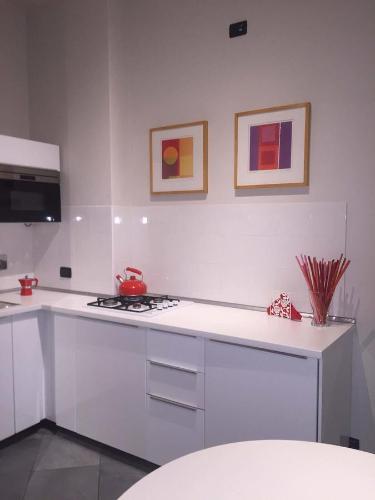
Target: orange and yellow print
[(177, 158)]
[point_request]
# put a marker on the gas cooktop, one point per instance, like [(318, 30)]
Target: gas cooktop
[(139, 303)]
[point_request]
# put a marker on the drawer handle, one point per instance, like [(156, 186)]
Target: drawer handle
[(173, 367), (272, 351), (173, 402), (174, 333)]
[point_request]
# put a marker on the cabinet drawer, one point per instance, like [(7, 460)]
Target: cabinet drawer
[(172, 430), (176, 383), (183, 350)]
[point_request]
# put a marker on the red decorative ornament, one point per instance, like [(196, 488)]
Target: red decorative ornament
[(282, 306)]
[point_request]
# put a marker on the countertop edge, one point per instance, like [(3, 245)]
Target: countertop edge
[(150, 323)]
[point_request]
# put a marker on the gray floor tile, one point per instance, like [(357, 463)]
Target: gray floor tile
[(78, 483), (62, 452), (20, 456), (13, 485), (116, 477)]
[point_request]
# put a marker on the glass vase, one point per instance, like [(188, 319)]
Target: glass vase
[(319, 308)]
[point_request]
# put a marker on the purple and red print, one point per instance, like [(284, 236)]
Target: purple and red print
[(270, 146)]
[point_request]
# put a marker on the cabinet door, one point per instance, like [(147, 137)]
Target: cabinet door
[(258, 394), (6, 380), (110, 364), (65, 371), (28, 371)]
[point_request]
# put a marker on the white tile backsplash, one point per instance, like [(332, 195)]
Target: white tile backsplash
[(241, 253), (16, 241), (83, 241)]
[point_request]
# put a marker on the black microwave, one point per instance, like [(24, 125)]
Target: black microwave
[(29, 194)]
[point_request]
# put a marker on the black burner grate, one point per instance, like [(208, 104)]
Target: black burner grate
[(137, 304)]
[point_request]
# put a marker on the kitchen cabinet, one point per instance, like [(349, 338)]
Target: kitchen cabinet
[(259, 394), (162, 394), (6, 380), (100, 381), (110, 381), (26, 153), (28, 371), (64, 331), (175, 395)]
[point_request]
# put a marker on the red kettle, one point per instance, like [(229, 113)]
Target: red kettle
[(26, 285), (130, 285)]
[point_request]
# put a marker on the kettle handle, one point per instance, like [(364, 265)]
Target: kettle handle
[(36, 282), (134, 270)]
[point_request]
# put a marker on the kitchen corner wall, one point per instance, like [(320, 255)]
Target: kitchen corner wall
[(173, 62), (102, 72), (15, 239), (69, 103)]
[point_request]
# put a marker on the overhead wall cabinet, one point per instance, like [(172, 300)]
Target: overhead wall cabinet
[(26, 153)]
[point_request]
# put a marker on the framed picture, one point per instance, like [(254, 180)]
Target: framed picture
[(178, 158), (272, 147)]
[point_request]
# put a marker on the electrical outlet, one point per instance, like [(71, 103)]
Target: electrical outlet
[(65, 272), (3, 262), (353, 443)]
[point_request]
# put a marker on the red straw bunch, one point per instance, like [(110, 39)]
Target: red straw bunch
[(322, 279)]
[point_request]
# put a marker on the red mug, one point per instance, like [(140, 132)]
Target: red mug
[(27, 285)]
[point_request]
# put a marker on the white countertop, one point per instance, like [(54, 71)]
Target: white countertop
[(236, 325), (262, 470)]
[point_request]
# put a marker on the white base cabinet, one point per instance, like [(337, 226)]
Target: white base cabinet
[(110, 378), (28, 371), (22, 381), (6, 380), (100, 381), (160, 395), (65, 338), (258, 394)]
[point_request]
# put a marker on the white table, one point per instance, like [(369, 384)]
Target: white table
[(262, 470)]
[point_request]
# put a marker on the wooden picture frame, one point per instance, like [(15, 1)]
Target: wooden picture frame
[(272, 147), (179, 158)]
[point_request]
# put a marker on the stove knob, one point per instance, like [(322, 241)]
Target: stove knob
[(165, 304), (159, 306), (175, 302), (170, 303)]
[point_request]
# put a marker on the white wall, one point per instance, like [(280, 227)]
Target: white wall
[(69, 93), (99, 79), (69, 102), (14, 116), (238, 253), (172, 62), (15, 239)]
